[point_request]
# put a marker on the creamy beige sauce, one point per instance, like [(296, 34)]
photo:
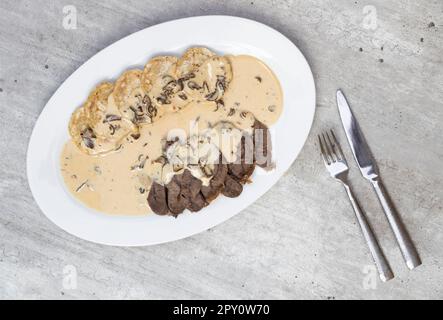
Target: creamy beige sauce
[(119, 182)]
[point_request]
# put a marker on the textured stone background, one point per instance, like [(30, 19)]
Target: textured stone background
[(300, 240)]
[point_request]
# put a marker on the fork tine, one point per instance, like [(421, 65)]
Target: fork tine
[(333, 147), (328, 148), (340, 152), (323, 152)]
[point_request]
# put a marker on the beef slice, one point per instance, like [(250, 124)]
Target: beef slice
[(157, 199), (262, 145)]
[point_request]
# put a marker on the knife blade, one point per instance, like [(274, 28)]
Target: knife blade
[(358, 144), (368, 168)]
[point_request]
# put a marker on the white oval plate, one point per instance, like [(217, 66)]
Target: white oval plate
[(223, 34)]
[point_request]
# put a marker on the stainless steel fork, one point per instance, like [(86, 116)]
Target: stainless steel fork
[(337, 166)]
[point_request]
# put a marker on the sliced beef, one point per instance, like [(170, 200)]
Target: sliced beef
[(220, 172), (197, 203), (244, 165), (217, 181), (185, 191), (190, 185), (241, 172), (232, 187), (262, 145), (157, 199), (191, 190), (177, 203), (210, 192)]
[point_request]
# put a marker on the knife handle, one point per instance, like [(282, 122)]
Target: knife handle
[(407, 248), (381, 263)]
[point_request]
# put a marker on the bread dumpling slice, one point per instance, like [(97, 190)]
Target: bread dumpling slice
[(98, 127), (132, 99), (192, 59), (160, 80), (212, 79)]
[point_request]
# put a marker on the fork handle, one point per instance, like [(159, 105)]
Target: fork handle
[(408, 250), (377, 254)]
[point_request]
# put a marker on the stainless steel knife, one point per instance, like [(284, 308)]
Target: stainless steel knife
[(369, 171)]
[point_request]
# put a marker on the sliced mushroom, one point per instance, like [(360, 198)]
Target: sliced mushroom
[(88, 137), (88, 142), (193, 85), (163, 99), (212, 96), (219, 91), (111, 117), (135, 136), (171, 87)]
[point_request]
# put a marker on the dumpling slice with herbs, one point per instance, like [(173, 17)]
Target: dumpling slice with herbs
[(192, 59), (132, 99), (211, 79), (165, 90), (207, 75), (98, 127)]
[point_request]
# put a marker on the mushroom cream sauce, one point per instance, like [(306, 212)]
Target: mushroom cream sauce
[(117, 180)]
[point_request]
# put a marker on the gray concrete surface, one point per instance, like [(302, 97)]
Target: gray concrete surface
[(300, 240)]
